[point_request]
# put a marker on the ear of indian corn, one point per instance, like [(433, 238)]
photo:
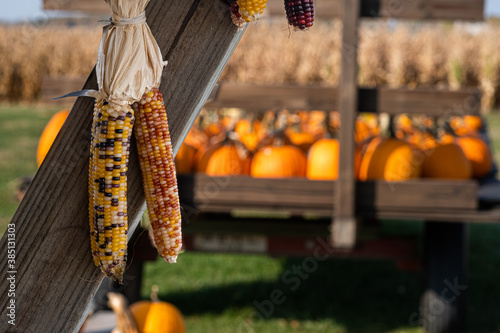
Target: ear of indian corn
[(158, 173), (251, 10), (300, 13), (236, 16), (109, 154)]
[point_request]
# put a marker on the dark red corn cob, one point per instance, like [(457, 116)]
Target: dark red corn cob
[(234, 9), (300, 13)]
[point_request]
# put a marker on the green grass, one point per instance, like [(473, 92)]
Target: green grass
[(494, 133), (20, 128), (216, 292)]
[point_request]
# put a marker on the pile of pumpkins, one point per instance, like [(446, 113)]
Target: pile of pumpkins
[(303, 144)]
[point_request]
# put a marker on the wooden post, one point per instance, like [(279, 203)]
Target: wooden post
[(53, 277), (445, 261), (343, 226)]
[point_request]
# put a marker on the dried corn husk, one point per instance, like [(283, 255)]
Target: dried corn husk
[(129, 60)]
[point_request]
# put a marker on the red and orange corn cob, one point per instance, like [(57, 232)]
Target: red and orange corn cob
[(109, 154), (300, 13), (158, 173)]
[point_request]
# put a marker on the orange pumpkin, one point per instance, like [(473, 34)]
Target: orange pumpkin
[(473, 123), (303, 140), (243, 126), (422, 140), (195, 138), (362, 130), (279, 162), (250, 140), (323, 160), (49, 134), (157, 317), (184, 160), (228, 160), (213, 129), (202, 156), (389, 159), (478, 153), (446, 161)]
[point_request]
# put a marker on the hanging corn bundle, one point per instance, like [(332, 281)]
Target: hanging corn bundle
[(129, 67)]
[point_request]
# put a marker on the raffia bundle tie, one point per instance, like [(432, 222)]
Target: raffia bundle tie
[(141, 18), (113, 21)]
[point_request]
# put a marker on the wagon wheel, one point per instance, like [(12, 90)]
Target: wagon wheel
[(445, 255)]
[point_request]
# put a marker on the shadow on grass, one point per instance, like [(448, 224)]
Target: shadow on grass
[(363, 296), (360, 295)]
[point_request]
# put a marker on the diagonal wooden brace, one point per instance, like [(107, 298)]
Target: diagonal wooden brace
[(54, 276)]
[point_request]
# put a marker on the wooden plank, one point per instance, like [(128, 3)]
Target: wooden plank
[(390, 248), (422, 194), (400, 9), (272, 96), (55, 276), (202, 193), (430, 101), (88, 6), (457, 215), (472, 10), (205, 193), (294, 236), (55, 86), (343, 227)]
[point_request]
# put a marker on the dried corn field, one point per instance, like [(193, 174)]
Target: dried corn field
[(399, 55), (30, 53)]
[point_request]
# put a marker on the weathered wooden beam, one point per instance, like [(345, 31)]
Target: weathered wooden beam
[(469, 10), (444, 215), (299, 196), (472, 10), (55, 277), (343, 227), (88, 6), (54, 86), (258, 98), (300, 245), (263, 97), (429, 101)]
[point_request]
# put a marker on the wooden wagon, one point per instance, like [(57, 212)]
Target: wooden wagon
[(55, 278)]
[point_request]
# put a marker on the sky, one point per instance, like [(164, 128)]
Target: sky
[(30, 10)]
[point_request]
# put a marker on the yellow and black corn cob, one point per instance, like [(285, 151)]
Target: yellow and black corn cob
[(251, 10), (300, 13), (158, 173), (109, 154)]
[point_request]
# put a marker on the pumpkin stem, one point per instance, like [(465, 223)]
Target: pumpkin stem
[(331, 132), (154, 293), (448, 129), (386, 129), (392, 127)]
